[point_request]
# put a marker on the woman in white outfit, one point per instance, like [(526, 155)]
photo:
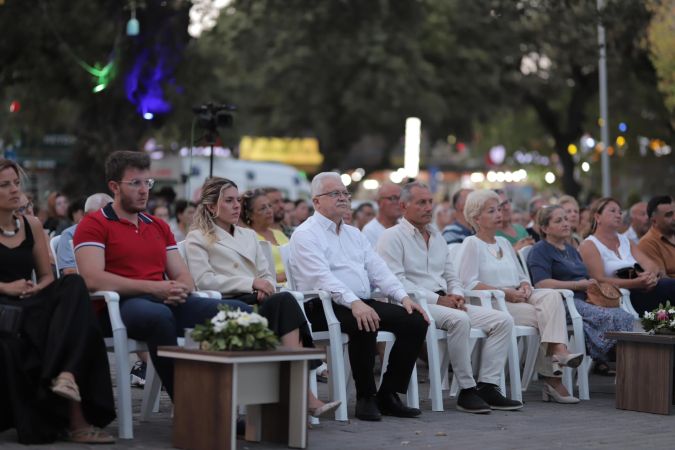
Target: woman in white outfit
[(487, 261), (607, 253)]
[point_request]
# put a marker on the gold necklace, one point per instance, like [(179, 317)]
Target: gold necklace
[(496, 253)]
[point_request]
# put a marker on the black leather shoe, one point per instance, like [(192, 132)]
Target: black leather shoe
[(391, 405), (366, 409), (469, 401), (491, 394)]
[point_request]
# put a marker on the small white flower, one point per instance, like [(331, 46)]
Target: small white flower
[(671, 311), (672, 323), (244, 321), (649, 315), (219, 326)]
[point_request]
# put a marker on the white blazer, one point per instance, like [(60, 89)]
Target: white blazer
[(229, 264)]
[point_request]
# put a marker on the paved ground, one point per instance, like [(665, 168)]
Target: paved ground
[(593, 424)]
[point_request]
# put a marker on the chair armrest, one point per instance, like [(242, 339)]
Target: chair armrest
[(568, 297), (207, 294), (421, 299), (112, 300), (485, 297), (626, 305), (500, 299)]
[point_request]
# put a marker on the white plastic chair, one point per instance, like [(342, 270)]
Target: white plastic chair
[(342, 372), (334, 336), (121, 346), (577, 338), (266, 248)]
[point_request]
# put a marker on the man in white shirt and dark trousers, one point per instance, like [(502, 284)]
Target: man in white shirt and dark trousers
[(326, 254), (418, 255)]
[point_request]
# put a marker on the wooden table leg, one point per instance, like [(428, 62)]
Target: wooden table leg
[(644, 377), (297, 406), (205, 413)]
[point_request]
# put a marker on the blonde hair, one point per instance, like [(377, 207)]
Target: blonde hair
[(211, 191), (475, 202), (568, 199)]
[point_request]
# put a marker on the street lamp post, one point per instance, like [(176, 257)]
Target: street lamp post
[(604, 118)]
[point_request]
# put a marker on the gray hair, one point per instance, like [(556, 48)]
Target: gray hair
[(406, 190), (319, 179), (96, 201), (475, 202)]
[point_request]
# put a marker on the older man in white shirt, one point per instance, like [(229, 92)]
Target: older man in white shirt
[(329, 255), (419, 257)]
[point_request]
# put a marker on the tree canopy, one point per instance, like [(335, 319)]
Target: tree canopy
[(345, 71)]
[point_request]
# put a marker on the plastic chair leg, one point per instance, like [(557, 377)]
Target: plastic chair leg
[(151, 392), (435, 374), (124, 412), (514, 370)]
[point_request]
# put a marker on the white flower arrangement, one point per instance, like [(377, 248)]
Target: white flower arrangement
[(235, 330)]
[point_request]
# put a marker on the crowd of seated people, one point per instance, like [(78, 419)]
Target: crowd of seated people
[(398, 249)]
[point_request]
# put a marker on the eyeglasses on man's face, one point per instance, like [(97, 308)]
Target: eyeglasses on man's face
[(392, 198), (336, 194), (136, 184)]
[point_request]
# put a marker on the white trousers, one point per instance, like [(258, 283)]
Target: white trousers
[(497, 325), (544, 311)]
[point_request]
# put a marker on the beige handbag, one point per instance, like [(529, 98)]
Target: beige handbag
[(604, 294)]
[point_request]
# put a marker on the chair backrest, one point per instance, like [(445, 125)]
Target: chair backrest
[(53, 245), (267, 251), (181, 250), (285, 251), (453, 249), (523, 253)]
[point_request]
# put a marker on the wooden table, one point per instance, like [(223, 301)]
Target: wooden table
[(644, 366), (210, 385)]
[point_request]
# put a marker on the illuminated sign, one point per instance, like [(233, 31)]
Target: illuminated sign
[(302, 153)]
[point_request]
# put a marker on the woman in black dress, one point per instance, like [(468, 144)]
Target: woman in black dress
[(54, 374)]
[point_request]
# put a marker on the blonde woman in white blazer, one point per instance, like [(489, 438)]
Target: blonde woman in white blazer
[(224, 257)]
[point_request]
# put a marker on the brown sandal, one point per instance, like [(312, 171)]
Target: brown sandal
[(90, 435), (66, 388)]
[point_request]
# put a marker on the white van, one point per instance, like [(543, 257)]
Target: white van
[(187, 176)]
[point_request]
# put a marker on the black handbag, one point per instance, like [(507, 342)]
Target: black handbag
[(628, 273), (10, 320)]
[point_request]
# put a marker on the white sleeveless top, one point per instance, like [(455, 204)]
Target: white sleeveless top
[(611, 261)]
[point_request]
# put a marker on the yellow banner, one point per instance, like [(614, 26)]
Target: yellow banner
[(302, 153)]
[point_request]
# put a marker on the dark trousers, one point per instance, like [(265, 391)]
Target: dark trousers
[(147, 319), (649, 300), (409, 329)]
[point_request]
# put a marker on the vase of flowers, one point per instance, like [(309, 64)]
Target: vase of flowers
[(661, 320), (232, 330)]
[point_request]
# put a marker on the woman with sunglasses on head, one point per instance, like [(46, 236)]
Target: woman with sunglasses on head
[(225, 257), (258, 214), (489, 262), (54, 374), (554, 263), (611, 257)]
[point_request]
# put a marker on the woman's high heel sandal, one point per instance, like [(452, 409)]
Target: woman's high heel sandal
[(570, 360), (549, 393)]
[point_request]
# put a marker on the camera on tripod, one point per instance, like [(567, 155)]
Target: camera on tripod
[(212, 116)]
